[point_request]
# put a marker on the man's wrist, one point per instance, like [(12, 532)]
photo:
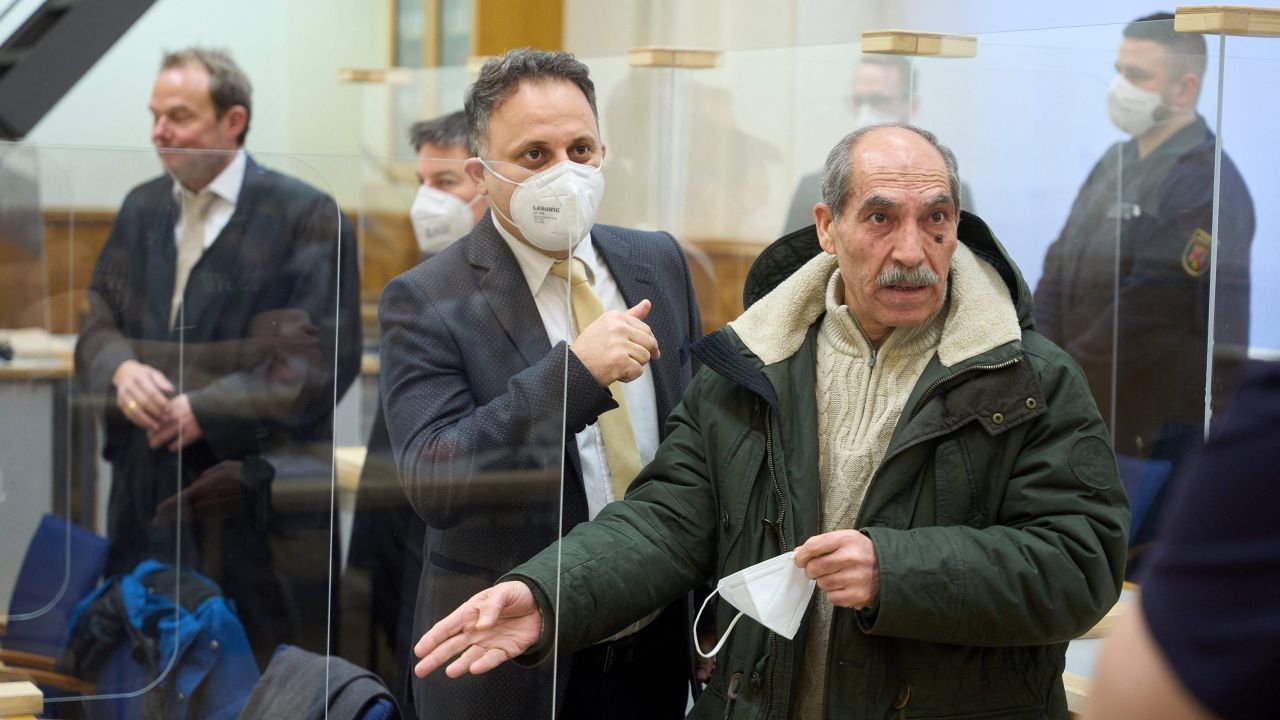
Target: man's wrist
[(122, 367)]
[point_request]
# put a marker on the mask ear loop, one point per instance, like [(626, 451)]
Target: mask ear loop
[(697, 618), (494, 206)]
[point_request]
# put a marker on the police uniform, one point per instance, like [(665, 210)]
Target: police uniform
[(1125, 288)]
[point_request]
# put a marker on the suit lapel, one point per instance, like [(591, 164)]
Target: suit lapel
[(226, 251), (631, 263), (158, 257), (506, 291)]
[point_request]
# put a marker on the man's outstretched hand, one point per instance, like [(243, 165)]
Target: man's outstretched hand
[(492, 627)]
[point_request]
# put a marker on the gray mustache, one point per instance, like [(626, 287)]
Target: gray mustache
[(919, 276)]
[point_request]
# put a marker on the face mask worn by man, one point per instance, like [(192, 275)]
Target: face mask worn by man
[(774, 593), (439, 218), (554, 208), (1133, 109)]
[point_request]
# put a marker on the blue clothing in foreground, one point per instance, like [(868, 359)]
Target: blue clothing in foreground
[(1211, 593), (179, 628)]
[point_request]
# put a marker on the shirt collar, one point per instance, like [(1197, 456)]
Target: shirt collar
[(228, 182), (536, 266)]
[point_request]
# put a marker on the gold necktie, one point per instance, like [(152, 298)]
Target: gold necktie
[(620, 449), (195, 210)]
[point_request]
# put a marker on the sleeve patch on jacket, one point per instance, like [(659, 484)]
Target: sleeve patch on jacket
[(1196, 255), (1093, 462)]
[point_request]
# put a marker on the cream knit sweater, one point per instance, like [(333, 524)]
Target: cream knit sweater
[(860, 395)]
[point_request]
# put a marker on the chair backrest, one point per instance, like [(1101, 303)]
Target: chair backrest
[(1143, 479), (62, 565)]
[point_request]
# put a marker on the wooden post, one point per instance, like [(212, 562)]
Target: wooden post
[(20, 698), (910, 42), (1228, 20)]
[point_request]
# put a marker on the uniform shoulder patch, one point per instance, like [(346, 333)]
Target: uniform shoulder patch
[(1197, 253), (1093, 462)]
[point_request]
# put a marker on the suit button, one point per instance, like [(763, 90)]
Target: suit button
[(756, 682), (997, 418)]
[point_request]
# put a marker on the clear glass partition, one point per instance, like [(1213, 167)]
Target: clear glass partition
[(1090, 216), (342, 494), (172, 361), (1245, 283), (1103, 169)]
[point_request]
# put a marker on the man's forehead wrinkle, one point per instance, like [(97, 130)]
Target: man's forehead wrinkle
[(905, 176), (880, 201), (906, 181)]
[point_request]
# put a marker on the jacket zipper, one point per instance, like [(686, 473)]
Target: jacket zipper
[(773, 475), (928, 393), (782, 540)]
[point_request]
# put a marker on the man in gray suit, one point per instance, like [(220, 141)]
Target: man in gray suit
[(527, 373)]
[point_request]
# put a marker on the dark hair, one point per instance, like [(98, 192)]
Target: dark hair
[(446, 131), (500, 77), (1186, 50), (837, 172), (228, 85)]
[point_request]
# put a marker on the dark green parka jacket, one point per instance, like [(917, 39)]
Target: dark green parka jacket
[(997, 515)]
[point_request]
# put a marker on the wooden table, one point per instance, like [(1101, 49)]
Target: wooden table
[(1082, 653)]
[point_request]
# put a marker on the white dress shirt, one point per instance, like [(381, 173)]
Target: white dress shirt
[(551, 295), (226, 190)]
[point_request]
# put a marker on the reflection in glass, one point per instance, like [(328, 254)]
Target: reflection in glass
[(217, 398), (385, 561)]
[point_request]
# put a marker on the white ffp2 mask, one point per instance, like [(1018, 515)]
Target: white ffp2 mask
[(555, 208), (774, 593), (439, 218), (1131, 108)]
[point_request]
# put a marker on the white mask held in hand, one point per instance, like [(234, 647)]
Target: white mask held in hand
[(555, 208), (439, 218), (1131, 108), (774, 593)]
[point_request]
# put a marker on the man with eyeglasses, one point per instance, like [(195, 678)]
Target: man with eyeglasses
[(883, 91)]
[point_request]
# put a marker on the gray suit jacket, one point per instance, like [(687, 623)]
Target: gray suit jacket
[(481, 425)]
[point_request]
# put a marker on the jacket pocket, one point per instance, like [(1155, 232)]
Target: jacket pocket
[(711, 705), (462, 568), (955, 499), (736, 478)]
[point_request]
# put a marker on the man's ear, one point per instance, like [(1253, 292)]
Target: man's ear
[(234, 120), (1188, 90), (825, 223), (475, 170)]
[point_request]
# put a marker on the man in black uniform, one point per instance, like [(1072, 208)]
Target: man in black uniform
[(1126, 286)]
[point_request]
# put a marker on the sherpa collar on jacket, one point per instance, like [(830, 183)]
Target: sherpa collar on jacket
[(981, 317)]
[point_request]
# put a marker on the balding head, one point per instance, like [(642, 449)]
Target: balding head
[(839, 173), (892, 227)]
